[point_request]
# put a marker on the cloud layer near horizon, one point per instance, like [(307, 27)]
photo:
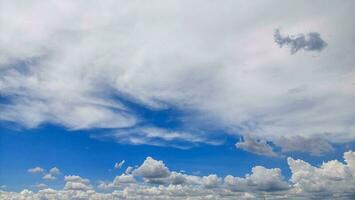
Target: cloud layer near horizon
[(64, 62), (154, 180)]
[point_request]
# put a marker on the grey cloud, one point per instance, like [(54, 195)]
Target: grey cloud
[(315, 145), (309, 42), (257, 146)]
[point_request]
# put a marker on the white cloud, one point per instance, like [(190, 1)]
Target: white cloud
[(129, 170), (119, 165), (159, 137), (152, 169), (49, 177), (211, 181), (54, 171), (62, 64), (261, 179), (36, 170), (77, 183), (118, 182), (331, 180)]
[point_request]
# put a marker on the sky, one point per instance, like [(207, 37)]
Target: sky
[(177, 99)]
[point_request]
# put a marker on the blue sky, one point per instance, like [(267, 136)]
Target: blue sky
[(201, 99), (74, 152)]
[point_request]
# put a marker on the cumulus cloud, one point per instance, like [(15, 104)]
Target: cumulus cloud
[(261, 179), (119, 165), (211, 181), (75, 183), (65, 65), (257, 146), (54, 171), (308, 42), (153, 171), (36, 170), (119, 181), (332, 180), (49, 177)]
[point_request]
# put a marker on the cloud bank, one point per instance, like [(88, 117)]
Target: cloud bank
[(331, 180), (76, 65)]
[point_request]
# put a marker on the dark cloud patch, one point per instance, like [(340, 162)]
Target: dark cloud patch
[(315, 145), (309, 42), (257, 146)]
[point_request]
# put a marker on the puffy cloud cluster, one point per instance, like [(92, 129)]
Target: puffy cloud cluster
[(77, 183), (49, 175), (261, 179), (65, 62), (332, 180)]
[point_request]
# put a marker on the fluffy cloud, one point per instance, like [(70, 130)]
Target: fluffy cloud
[(66, 62), (49, 177), (308, 42), (54, 171), (261, 179), (36, 170), (256, 146), (152, 169), (119, 181), (211, 181), (77, 183), (331, 180)]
